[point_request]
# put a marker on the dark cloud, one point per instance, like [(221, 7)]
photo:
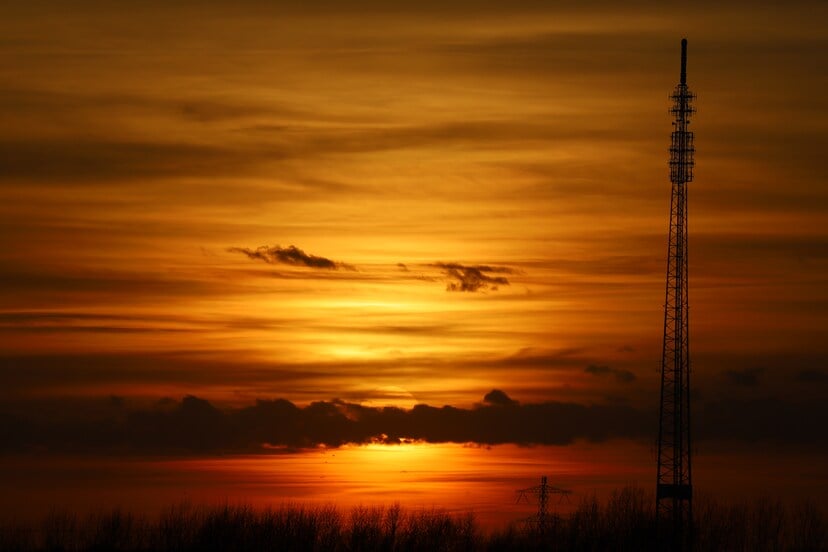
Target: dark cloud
[(195, 425), (139, 373), (90, 328), (764, 419), (562, 53), (84, 160), (473, 277), (299, 141), (733, 248), (200, 108), (747, 377), (497, 397), (460, 7), (22, 318), (291, 255), (624, 376), (781, 375), (102, 160), (597, 370), (812, 376), (26, 375), (537, 358), (32, 285)]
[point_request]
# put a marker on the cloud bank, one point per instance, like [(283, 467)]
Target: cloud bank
[(196, 426)]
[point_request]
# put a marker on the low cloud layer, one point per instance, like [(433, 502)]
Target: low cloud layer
[(473, 277), (194, 425), (290, 255)]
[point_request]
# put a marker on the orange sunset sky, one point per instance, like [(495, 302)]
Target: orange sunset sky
[(401, 203)]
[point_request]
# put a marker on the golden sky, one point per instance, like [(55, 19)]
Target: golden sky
[(406, 203)]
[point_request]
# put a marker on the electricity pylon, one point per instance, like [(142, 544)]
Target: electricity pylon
[(543, 491)]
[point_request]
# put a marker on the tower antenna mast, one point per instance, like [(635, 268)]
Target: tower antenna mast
[(674, 489)]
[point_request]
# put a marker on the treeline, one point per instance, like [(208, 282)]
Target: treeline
[(626, 521)]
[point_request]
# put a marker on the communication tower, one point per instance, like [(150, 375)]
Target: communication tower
[(674, 490)]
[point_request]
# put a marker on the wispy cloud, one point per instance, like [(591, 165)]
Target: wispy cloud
[(290, 255), (473, 277)]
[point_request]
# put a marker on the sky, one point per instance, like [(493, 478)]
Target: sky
[(238, 227)]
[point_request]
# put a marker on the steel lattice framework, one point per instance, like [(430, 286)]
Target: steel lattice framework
[(541, 520), (674, 491)]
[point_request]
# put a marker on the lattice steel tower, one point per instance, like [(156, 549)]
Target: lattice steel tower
[(542, 519), (674, 491)]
